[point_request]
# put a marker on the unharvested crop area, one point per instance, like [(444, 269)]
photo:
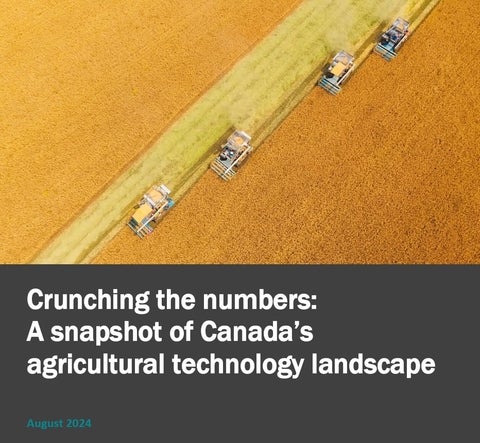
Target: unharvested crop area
[(386, 172), (87, 86)]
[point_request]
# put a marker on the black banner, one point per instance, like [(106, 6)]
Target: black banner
[(274, 353)]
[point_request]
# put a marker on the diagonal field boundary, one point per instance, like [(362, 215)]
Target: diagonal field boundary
[(260, 90)]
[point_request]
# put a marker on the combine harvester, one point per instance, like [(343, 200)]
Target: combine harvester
[(151, 208), (232, 155), (337, 72), (391, 40)]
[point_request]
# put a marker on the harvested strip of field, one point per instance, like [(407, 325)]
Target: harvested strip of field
[(247, 97), (386, 172), (85, 87)]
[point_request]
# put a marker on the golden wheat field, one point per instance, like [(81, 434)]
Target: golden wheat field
[(87, 86), (386, 172)]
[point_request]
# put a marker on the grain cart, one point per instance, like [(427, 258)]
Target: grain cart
[(232, 154), (150, 209), (391, 40), (337, 72)]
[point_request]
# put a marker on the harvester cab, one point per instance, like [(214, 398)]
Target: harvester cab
[(337, 72), (232, 154), (150, 209), (391, 40)]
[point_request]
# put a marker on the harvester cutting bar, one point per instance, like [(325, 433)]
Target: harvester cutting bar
[(329, 87), (222, 170), (237, 162), (145, 227), (384, 52), (141, 232)]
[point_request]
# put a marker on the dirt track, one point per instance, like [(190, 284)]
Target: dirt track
[(99, 82), (386, 172)]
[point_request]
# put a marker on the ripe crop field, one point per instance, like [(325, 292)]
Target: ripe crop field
[(86, 87), (254, 95), (386, 172)]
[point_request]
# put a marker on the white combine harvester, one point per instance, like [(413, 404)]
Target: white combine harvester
[(232, 155), (391, 40), (337, 72), (150, 209)]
